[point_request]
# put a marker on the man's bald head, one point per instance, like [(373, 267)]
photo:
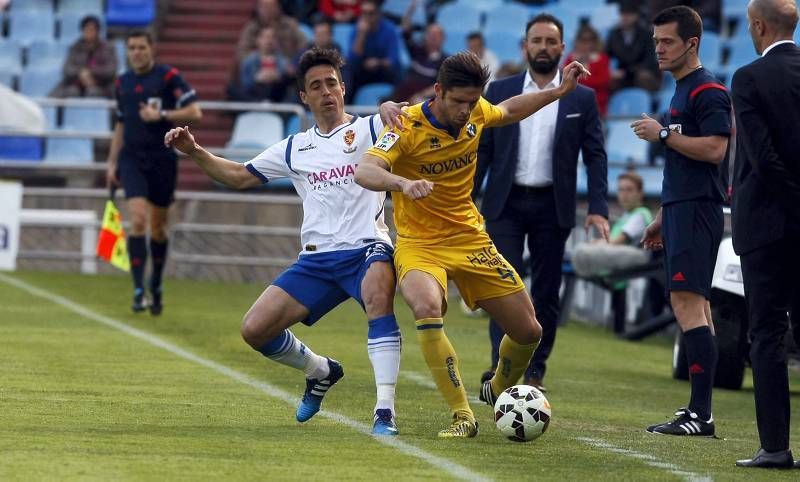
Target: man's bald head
[(781, 15)]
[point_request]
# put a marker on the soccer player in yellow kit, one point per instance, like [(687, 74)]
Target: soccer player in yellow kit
[(440, 233)]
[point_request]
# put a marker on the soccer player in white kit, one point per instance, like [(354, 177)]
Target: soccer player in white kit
[(346, 250)]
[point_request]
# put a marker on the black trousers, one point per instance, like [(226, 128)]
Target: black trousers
[(772, 289), (530, 214)]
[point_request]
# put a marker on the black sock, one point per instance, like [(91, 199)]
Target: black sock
[(137, 252), (158, 251), (701, 354)]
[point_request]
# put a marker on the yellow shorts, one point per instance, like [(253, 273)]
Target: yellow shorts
[(471, 260)]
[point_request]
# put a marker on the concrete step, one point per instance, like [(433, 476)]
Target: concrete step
[(229, 7), (200, 37), (198, 62), (192, 49), (233, 23)]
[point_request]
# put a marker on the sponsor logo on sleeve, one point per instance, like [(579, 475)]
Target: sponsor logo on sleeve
[(387, 141)]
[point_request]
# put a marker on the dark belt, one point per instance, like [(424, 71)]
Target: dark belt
[(531, 190)]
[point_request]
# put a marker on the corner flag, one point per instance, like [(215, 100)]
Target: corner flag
[(111, 244)]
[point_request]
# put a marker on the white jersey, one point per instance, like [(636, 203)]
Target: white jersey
[(337, 213)]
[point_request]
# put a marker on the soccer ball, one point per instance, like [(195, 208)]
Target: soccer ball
[(522, 413)]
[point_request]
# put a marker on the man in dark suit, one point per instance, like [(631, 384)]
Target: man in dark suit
[(532, 171), (766, 214)]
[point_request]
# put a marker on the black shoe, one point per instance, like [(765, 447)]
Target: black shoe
[(155, 305), (486, 395), (535, 383), (139, 301), (769, 460), (686, 422), (487, 375)]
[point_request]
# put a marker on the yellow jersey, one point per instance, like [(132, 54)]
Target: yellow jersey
[(426, 149)]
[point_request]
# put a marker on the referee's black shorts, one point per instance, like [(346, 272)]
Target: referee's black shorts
[(692, 231), (149, 174)]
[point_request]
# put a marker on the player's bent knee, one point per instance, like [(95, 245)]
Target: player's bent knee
[(426, 308), (256, 330), (378, 302)]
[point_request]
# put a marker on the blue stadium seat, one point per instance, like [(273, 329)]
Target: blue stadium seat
[(81, 6), (629, 102), (741, 53), (122, 56), (86, 119), (292, 125), (68, 151), (39, 82), (10, 57), (663, 99), (7, 78), (26, 27), (711, 51), (623, 146), (459, 17), (69, 25), (341, 35), (510, 18), (308, 30), (653, 178), (505, 44), (397, 8), (257, 130), (454, 41), (604, 17), (371, 94), (20, 148), (50, 117), (34, 6), (45, 54), (130, 13)]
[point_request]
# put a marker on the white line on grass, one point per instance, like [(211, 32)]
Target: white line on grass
[(646, 458), (445, 465)]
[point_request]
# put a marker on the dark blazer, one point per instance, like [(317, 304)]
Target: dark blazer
[(577, 128), (766, 182)]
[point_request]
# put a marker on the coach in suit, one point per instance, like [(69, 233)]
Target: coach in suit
[(532, 171), (766, 213)]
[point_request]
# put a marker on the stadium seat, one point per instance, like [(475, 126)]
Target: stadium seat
[(86, 119), (50, 117), (505, 44), (653, 177), (26, 27), (510, 18), (397, 8), (81, 6), (308, 30), (371, 94), (20, 148), (69, 25), (740, 54), (130, 13), (257, 130), (469, 18), (34, 6), (45, 54), (623, 146), (292, 125), (663, 99), (341, 35), (711, 51), (39, 82), (122, 56), (629, 102), (7, 78), (68, 151), (604, 17), (10, 57)]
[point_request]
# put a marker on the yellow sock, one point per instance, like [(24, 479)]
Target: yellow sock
[(514, 359), (443, 364)]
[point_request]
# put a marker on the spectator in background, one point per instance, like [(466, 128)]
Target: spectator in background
[(374, 49), (589, 51), (710, 10), (426, 57), (270, 14), (477, 45), (629, 228), (90, 66), (323, 38), (340, 11), (265, 74), (630, 43)]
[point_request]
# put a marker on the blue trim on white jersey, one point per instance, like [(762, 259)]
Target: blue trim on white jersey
[(288, 156), (250, 167), (332, 133), (372, 129)]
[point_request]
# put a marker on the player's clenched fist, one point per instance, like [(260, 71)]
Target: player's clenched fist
[(181, 139), (417, 189)]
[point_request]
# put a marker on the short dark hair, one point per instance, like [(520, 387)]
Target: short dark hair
[(317, 56), (545, 18), (475, 36), (689, 22), (633, 177), (463, 69), (140, 33), (90, 19)]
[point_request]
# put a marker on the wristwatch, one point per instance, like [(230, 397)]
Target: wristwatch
[(663, 134)]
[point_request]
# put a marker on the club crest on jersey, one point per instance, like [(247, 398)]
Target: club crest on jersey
[(387, 141), (435, 144), (349, 137), (471, 130)]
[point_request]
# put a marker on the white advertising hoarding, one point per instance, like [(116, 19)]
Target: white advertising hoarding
[(10, 207)]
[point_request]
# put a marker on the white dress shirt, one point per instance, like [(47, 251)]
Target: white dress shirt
[(536, 137), (766, 50)]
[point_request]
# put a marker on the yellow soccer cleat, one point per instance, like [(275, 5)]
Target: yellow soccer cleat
[(461, 427)]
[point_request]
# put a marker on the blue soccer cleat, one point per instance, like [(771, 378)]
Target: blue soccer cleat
[(316, 390), (384, 422)]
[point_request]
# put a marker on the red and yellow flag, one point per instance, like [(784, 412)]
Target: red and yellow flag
[(111, 244)]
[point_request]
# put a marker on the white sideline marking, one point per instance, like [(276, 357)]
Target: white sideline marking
[(647, 459), (445, 465)]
